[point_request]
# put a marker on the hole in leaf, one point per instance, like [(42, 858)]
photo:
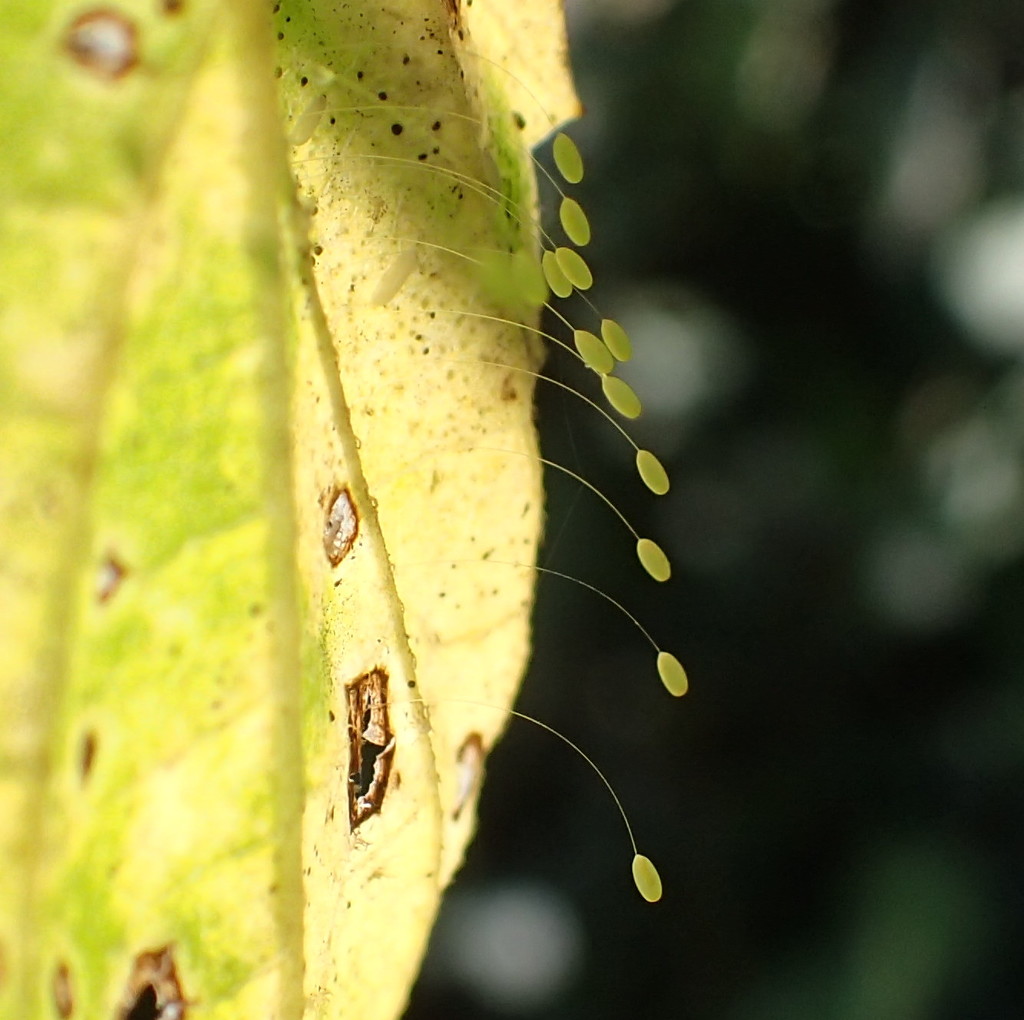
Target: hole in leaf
[(145, 1007), (103, 42), (340, 527), (371, 745), (154, 989)]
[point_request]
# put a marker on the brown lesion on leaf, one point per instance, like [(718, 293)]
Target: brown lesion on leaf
[(454, 12), (109, 577), (154, 989), (63, 996), (104, 42), (469, 761), (371, 745), (509, 392), (341, 525), (86, 755)]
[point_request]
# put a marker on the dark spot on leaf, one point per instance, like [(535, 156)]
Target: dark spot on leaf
[(86, 755), (145, 1006), (519, 119), (382, 95), (174, 6), (63, 998), (111, 573), (508, 389), (103, 42), (396, 129), (436, 126), (303, 81), (371, 745), (153, 991), (341, 525)]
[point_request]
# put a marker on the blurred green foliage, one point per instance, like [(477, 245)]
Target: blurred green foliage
[(809, 214)]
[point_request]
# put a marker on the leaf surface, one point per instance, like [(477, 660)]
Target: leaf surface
[(232, 771)]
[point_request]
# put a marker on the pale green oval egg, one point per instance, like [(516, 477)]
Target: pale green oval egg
[(646, 878), (575, 268), (574, 222), (616, 339), (672, 674), (652, 472), (653, 559), (553, 274), (567, 158), (593, 351), (621, 396)]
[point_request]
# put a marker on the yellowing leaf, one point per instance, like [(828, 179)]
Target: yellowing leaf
[(247, 515), (397, 167)]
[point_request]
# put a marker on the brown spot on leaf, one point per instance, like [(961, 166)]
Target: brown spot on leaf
[(109, 578), (154, 989), (341, 526), (63, 999), (371, 745), (86, 755), (104, 42), (508, 389), (470, 763)]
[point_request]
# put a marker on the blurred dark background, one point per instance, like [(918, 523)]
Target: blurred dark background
[(810, 216)]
